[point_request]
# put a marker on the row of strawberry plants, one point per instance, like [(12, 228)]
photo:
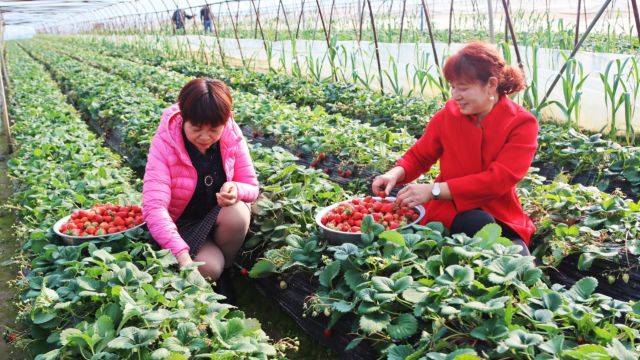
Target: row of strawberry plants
[(421, 294), (396, 112), (283, 122), (585, 158), (119, 299), (401, 326), (547, 213)]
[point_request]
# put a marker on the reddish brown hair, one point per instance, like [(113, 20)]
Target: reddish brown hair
[(205, 102), (478, 61)]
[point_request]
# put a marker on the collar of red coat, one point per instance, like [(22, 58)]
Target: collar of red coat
[(171, 130), (503, 106)]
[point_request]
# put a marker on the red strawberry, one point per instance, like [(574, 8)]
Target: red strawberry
[(327, 332)]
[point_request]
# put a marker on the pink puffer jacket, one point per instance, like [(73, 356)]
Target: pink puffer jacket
[(170, 178)]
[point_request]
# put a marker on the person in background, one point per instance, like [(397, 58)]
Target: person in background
[(178, 20), (485, 143), (205, 16), (199, 182)]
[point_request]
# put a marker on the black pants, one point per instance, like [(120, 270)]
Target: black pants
[(470, 222)]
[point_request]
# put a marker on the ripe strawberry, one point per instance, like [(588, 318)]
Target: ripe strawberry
[(382, 194), (244, 272), (11, 337), (327, 332), (347, 173)]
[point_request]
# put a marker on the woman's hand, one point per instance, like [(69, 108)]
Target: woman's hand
[(228, 194), (387, 181), (184, 259), (418, 194), (414, 194)]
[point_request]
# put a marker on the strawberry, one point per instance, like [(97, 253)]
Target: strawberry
[(327, 332), (244, 272)]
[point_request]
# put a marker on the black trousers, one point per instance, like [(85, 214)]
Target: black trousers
[(470, 222)]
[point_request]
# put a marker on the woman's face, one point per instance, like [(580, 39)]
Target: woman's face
[(474, 98), (202, 137)]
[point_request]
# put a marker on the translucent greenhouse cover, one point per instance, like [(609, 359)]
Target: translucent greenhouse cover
[(52, 12)]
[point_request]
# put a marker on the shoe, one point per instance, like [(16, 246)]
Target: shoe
[(224, 286)]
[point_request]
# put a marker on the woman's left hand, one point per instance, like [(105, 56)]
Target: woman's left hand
[(228, 194), (414, 194)]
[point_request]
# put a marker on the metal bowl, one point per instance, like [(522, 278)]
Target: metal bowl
[(340, 237), (75, 240)]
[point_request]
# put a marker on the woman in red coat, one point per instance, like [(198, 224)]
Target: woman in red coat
[(485, 143)]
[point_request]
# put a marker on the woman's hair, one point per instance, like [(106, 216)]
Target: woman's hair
[(205, 102), (478, 61)]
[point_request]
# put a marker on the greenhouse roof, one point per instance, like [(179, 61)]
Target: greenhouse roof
[(23, 12)]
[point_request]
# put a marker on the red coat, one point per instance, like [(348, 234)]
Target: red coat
[(481, 164)]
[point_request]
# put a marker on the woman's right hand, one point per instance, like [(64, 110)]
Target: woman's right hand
[(184, 259), (387, 181)]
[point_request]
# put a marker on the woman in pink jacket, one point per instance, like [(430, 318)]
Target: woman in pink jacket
[(199, 180)]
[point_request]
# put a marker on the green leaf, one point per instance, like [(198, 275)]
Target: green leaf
[(342, 306), (585, 260), (587, 352), (393, 237), (343, 251), (491, 235), (382, 284), (552, 301), (262, 268), (582, 290), (522, 340), (40, 316), (329, 273), (554, 346), (618, 351), (399, 352), (375, 322), (456, 275), (353, 278), (490, 306), (402, 327)]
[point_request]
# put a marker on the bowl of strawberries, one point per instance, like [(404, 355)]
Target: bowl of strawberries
[(341, 222), (99, 222)]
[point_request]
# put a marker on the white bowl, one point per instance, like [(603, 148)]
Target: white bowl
[(339, 237), (74, 240)]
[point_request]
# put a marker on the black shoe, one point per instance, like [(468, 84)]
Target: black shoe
[(224, 286)]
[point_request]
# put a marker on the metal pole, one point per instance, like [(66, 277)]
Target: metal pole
[(264, 42), (235, 31), (575, 49), (333, 3), (575, 39), (278, 20), (361, 21), (326, 36), (286, 21), (450, 20), (404, 7), (513, 34), (215, 28), (375, 40), (433, 45), (634, 3), (5, 112), (506, 23), (300, 19)]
